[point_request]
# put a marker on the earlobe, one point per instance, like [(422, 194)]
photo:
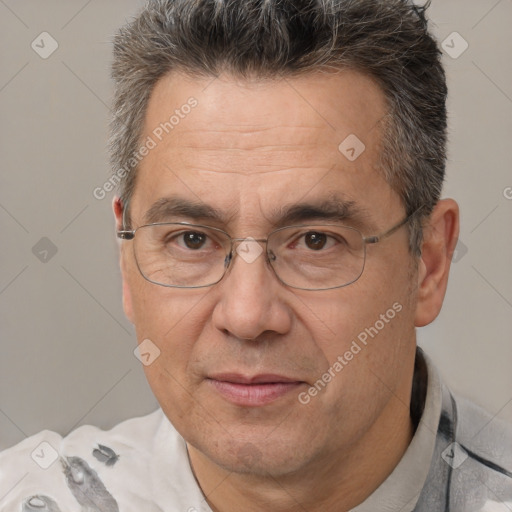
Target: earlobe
[(439, 241)]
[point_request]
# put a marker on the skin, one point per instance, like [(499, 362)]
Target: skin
[(248, 148)]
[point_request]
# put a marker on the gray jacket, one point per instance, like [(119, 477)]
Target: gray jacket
[(471, 467)]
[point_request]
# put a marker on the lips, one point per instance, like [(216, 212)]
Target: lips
[(256, 379), (252, 391)]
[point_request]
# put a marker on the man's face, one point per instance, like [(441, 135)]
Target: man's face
[(252, 150)]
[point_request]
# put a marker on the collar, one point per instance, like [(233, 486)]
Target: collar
[(403, 487)]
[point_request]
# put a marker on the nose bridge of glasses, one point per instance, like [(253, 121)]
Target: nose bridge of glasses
[(250, 238), (248, 248), (236, 243)]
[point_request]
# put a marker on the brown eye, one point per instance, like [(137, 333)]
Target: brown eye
[(315, 241), (194, 239)]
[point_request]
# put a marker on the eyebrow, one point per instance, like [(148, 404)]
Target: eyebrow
[(168, 207), (334, 208)]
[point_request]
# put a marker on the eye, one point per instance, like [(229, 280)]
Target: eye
[(193, 239), (315, 241), (187, 240)]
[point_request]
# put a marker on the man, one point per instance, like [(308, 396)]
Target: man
[(282, 237)]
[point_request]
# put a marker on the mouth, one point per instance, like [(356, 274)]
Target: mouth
[(252, 391)]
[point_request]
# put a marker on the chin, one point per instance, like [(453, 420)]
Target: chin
[(252, 455), (250, 441)]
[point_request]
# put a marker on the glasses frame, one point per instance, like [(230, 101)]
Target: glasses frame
[(129, 234)]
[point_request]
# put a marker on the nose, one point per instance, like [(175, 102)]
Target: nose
[(251, 297)]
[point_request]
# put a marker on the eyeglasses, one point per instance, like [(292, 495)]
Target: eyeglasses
[(306, 257)]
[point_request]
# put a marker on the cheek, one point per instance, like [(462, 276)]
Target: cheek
[(171, 318), (159, 310), (366, 334)]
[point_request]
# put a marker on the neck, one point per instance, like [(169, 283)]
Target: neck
[(336, 482)]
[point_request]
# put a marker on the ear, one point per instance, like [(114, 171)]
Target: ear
[(117, 206), (439, 241)]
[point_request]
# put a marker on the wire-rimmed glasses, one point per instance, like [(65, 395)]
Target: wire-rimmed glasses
[(307, 257)]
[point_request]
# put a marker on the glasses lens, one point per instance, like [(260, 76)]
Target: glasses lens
[(180, 255), (317, 257)]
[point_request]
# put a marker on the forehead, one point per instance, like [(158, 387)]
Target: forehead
[(249, 144), (325, 104)]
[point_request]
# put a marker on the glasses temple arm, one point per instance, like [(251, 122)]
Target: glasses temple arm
[(377, 238)]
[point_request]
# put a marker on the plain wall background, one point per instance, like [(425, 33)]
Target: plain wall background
[(66, 355)]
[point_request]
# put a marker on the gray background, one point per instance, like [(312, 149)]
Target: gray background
[(66, 354)]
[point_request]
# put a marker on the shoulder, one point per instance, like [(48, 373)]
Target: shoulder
[(122, 431), (471, 465), (484, 433), (482, 472), (44, 447), (92, 467)]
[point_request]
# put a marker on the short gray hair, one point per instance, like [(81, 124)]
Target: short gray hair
[(387, 40)]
